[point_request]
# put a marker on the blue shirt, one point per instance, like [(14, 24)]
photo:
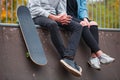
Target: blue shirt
[(82, 9)]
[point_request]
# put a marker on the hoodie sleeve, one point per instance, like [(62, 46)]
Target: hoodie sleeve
[(61, 8), (82, 9), (36, 9)]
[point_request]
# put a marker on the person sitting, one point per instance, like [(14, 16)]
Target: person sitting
[(52, 15), (78, 10)]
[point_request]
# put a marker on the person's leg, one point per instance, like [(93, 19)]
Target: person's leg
[(89, 39), (76, 29), (68, 60), (54, 32), (94, 31), (99, 56), (66, 54), (93, 45)]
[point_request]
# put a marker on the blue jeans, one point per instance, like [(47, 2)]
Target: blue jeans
[(74, 27)]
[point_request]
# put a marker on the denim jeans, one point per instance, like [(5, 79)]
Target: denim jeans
[(74, 27)]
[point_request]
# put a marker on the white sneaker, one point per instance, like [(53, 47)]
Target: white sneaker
[(104, 58), (94, 63)]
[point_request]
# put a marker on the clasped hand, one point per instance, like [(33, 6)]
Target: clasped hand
[(63, 18)]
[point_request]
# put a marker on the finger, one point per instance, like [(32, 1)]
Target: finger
[(64, 20), (88, 25), (83, 23), (69, 16)]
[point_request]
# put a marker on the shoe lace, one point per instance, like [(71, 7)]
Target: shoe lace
[(94, 61)]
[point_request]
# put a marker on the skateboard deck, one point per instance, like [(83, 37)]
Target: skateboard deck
[(31, 37)]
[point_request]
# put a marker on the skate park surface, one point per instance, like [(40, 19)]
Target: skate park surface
[(15, 65)]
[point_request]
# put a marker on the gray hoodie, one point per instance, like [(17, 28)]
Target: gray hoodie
[(46, 7)]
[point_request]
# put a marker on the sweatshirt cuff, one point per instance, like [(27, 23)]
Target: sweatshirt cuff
[(46, 14)]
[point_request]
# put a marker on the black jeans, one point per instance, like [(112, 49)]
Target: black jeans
[(90, 36), (74, 27)]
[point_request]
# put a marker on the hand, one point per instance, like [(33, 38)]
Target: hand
[(83, 23), (54, 17), (64, 19), (87, 22)]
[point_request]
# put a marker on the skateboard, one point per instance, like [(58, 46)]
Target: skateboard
[(31, 37)]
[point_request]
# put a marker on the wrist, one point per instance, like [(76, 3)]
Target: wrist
[(52, 17), (86, 19)]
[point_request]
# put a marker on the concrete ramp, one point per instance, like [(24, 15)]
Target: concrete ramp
[(14, 65)]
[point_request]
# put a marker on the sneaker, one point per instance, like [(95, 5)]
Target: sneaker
[(72, 67), (94, 63), (104, 58)]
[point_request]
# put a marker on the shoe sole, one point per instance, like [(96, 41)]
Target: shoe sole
[(93, 66), (72, 70)]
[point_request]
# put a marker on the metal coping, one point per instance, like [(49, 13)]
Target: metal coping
[(37, 26)]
